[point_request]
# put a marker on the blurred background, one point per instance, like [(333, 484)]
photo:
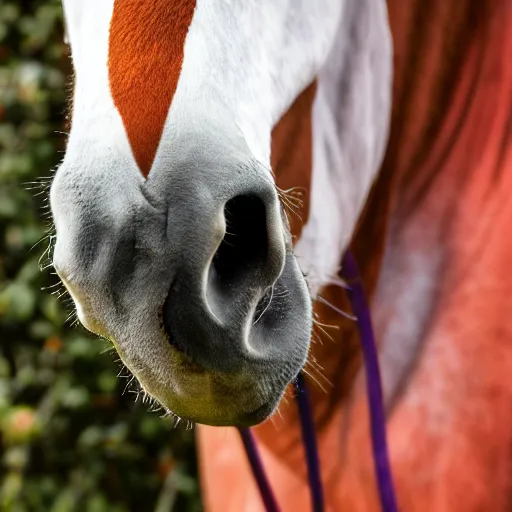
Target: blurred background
[(73, 435)]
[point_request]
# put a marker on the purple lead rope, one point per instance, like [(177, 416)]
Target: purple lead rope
[(377, 417), (257, 470), (308, 435), (373, 383), (313, 465)]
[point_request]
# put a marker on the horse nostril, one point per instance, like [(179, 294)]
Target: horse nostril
[(249, 258), (244, 248)]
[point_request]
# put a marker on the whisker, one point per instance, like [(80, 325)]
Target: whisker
[(320, 327), (267, 306), (310, 365), (337, 281), (49, 287), (309, 374), (325, 326), (315, 338), (334, 308)]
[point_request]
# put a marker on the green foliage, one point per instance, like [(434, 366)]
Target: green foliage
[(70, 438)]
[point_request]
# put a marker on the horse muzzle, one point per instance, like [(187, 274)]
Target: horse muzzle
[(191, 275)]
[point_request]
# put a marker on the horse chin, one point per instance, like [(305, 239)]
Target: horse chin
[(211, 398), (215, 400)]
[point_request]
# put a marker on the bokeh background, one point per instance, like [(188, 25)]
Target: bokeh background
[(73, 435)]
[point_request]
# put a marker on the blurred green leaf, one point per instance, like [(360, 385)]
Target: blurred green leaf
[(17, 302)]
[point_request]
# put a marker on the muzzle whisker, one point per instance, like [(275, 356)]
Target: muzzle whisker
[(337, 310), (312, 377), (266, 307), (321, 328)]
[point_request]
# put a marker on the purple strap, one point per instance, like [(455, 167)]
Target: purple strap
[(377, 417), (257, 469), (309, 438)]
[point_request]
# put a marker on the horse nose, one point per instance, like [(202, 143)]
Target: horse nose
[(212, 309)]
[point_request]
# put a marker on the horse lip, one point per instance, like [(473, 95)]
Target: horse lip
[(83, 307), (257, 416)]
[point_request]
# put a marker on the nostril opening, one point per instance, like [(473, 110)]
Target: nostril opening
[(244, 247)]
